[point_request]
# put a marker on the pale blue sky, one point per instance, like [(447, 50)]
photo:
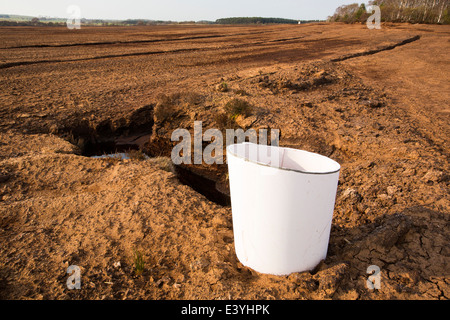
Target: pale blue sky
[(176, 10)]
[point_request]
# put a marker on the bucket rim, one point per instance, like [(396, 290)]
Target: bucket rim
[(228, 148)]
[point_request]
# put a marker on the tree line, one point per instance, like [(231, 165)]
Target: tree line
[(255, 20), (6, 20), (413, 11)]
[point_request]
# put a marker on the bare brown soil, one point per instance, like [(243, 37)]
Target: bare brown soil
[(377, 101)]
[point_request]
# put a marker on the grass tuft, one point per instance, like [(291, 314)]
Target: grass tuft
[(139, 264)]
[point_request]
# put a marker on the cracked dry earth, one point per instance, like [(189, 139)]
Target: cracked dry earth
[(372, 101)]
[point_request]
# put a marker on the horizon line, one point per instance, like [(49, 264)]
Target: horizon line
[(152, 19)]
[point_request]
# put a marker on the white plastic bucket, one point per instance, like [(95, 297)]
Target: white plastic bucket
[(282, 203)]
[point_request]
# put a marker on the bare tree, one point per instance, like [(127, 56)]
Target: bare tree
[(416, 11)]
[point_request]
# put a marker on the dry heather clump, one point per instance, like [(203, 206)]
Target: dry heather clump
[(112, 160), (136, 155), (191, 98), (222, 87), (166, 108), (171, 106), (234, 109), (237, 107), (224, 121), (164, 163)]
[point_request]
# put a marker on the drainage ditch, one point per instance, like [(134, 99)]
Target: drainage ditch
[(202, 184), (110, 146), (120, 146)]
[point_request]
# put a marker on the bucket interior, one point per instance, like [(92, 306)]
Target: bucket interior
[(284, 158)]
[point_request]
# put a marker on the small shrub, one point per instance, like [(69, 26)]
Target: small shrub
[(223, 121), (222, 87), (237, 107)]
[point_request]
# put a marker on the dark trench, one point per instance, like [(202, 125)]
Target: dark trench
[(109, 146)]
